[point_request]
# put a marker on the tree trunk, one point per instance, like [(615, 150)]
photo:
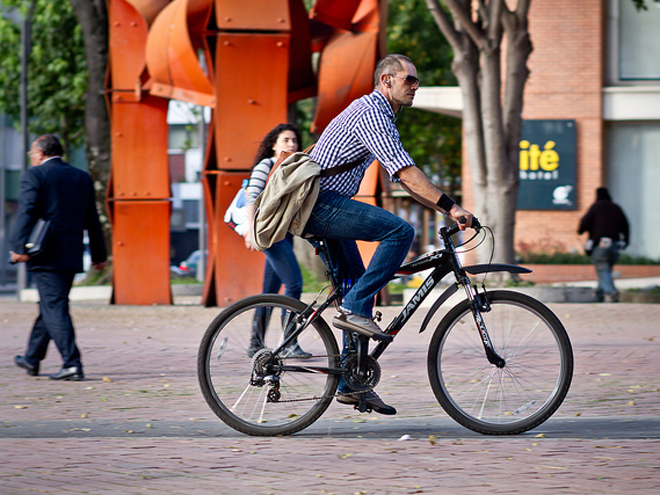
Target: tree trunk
[(491, 129), (92, 16)]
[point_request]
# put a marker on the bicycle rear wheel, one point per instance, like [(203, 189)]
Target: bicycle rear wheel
[(527, 390), (257, 393)]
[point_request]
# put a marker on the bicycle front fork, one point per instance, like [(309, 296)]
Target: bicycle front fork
[(479, 303)]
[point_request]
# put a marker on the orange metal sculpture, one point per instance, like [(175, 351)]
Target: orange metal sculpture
[(248, 61)]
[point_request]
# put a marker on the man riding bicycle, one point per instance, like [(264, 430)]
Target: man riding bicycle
[(363, 132)]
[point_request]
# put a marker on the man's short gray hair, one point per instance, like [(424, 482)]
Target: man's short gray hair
[(390, 64)]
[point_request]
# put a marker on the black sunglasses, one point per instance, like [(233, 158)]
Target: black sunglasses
[(410, 80)]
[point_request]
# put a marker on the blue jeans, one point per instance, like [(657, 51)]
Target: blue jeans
[(282, 267), (336, 217), (604, 260)]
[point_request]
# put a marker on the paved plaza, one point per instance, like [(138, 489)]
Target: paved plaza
[(138, 423)]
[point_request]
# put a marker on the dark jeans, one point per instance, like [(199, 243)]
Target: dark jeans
[(343, 219), (54, 321), (282, 267)]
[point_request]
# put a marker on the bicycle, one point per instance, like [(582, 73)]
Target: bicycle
[(500, 362)]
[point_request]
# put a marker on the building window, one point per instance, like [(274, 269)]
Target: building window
[(633, 177), (638, 41)]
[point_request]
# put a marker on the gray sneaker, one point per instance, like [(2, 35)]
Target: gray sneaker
[(360, 324), (374, 402)]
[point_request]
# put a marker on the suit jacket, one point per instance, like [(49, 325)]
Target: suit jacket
[(63, 194)]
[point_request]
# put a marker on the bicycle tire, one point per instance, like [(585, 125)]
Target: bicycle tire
[(527, 390), (225, 370)]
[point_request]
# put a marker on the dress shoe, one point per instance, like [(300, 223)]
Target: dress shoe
[(22, 363), (374, 402), (72, 374)]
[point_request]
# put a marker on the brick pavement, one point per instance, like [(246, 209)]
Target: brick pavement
[(140, 368)]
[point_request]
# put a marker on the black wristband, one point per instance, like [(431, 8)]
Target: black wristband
[(445, 202)]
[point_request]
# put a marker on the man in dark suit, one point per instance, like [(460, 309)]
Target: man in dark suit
[(54, 190)]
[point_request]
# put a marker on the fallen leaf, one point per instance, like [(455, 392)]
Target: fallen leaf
[(540, 435), (631, 403), (344, 456), (20, 407), (83, 415), (106, 379)]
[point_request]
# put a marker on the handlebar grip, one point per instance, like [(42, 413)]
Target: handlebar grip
[(453, 229)]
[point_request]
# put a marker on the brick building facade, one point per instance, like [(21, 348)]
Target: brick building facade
[(597, 63)]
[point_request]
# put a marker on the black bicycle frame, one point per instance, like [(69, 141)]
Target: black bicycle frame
[(442, 262)]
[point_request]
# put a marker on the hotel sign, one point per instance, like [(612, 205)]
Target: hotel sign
[(546, 162)]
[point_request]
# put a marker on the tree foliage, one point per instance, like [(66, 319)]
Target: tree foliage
[(57, 72), (641, 4), (433, 140)]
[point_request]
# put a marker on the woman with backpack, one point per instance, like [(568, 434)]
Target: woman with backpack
[(281, 263)]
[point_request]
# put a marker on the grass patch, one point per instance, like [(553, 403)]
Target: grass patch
[(184, 281), (558, 258), (310, 282)]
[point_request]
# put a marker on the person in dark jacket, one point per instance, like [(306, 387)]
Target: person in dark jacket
[(609, 233), (54, 190)]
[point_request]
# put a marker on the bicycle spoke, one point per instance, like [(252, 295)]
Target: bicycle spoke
[(529, 388), (252, 390)]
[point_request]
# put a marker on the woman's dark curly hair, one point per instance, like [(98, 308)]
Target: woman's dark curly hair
[(266, 146)]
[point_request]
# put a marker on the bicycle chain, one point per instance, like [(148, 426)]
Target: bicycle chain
[(317, 398)]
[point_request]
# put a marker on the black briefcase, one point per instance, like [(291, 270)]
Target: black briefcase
[(37, 241)]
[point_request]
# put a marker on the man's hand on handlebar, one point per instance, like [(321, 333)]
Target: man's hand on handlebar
[(462, 217)]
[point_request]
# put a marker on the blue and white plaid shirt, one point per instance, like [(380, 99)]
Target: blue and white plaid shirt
[(364, 131)]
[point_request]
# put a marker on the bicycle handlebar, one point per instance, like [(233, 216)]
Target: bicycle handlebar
[(453, 229)]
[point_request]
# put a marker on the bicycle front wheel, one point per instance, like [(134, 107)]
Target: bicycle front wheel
[(254, 391), (509, 400)]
